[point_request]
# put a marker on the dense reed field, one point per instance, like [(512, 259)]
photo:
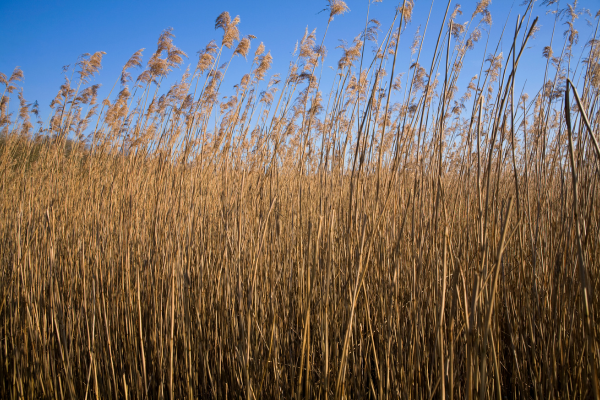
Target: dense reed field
[(384, 237)]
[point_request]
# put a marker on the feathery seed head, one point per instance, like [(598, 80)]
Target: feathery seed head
[(243, 47), (456, 12), (481, 7), (416, 41), (145, 77), (263, 67), (458, 29), (398, 82), (473, 38), (406, 10), (35, 109), (495, 65), (3, 109), (206, 56), (229, 26), (24, 107), (134, 61), (307, 44), (158, 66), (17, 75), (336, 7), (351, 54), (175, 57), (223, 21), (89, 65), (165, 41), (571, 33), (259, 51), (372, 30)]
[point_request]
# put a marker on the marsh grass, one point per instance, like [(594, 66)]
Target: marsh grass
[(294, 244)]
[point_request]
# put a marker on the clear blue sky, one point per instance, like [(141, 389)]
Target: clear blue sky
[(42, 36)]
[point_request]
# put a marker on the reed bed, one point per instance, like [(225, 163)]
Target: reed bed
[(390, 238)]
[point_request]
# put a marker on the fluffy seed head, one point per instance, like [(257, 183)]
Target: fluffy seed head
[(243, 47), (263, 67), (17, 75), (259, 52), (206, 56), (406, 10), (481, 7), (336, 7), (89, 65), (134, 61), (229, 26)]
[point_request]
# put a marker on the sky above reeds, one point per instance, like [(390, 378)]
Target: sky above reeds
[(43, 36)]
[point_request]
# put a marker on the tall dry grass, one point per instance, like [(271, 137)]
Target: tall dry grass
[(291, 243)]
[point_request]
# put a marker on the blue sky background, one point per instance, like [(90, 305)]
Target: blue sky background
[(42, 36)]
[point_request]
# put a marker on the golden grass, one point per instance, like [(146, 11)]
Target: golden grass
[(299, 244)]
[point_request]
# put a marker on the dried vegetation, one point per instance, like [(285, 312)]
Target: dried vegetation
[(389, 238)]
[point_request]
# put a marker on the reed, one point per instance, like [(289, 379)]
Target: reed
[(390, 238)]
